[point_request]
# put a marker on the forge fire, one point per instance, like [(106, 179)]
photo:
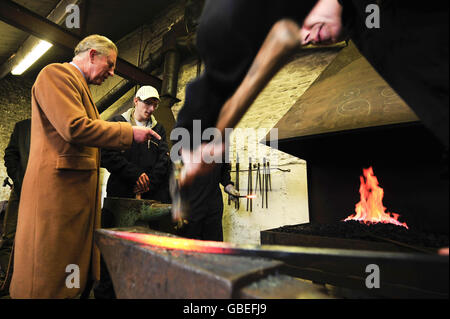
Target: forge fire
[(370, 208)]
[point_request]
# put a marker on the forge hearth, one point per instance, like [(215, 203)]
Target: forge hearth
[(350, 119), (356, 235), (360, 239)]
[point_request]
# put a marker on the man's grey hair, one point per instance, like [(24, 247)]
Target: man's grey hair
[(97, 42)]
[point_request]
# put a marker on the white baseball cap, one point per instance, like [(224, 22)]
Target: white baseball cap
[(146, 92)]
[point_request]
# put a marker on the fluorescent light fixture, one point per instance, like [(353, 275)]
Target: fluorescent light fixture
[(32, 57)]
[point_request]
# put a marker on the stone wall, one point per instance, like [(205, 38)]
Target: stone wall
[(15, 105)]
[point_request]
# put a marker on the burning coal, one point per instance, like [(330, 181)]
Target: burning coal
[(370, 209)]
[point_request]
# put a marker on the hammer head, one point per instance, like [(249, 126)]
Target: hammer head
[(178, 206)]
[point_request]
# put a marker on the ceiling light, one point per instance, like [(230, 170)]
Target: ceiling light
[(31, 57)]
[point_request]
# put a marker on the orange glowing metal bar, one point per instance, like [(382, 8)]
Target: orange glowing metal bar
[(249, 196), (185, 244)]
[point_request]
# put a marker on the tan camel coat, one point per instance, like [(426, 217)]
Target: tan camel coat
[(60, 202)]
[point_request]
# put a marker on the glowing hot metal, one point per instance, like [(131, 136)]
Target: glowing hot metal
[(134, 259), (250, 196), (185, 244)]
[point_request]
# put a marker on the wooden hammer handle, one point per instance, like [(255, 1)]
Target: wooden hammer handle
[(281, 43)]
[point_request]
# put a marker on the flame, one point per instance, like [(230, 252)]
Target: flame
[(370, 209), (251, 196)]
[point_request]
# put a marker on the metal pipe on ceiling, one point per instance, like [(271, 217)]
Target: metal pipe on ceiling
[(185, 45), (170, 78)]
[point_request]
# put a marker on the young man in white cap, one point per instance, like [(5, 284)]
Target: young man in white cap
[(143, 169)]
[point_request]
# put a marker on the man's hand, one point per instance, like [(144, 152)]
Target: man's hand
[(200, 161), (143, 134), (142, 184), (323, 24), (233, 192)]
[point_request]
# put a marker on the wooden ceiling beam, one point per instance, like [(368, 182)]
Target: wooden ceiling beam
[(34, 24)]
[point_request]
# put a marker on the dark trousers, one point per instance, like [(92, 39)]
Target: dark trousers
[(7, 239), (9, 229), (103, 289), (207, 228)]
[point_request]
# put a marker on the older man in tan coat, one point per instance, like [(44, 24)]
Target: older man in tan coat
[(60, 205)]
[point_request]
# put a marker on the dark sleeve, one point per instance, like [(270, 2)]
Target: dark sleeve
[(225, 177), (348, 17), (116, 163), (158, 173), (410, 52), (12, 158)]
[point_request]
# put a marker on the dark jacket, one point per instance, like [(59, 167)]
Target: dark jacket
[(203, 199), (204, 196), (16, 153), (126, 167), (410, 51)]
